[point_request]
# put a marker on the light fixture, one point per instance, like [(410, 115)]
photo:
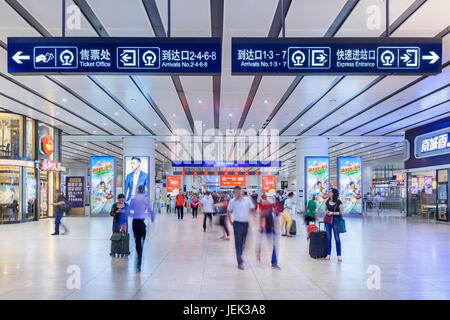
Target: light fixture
[(64, 99), (266, 101), (116, 113), (200, 101), (104, 123), (154, 124), (301, 124), (230, 114), (174, 115), (253, 125), (139, 131), (94, 131), (133, 100)]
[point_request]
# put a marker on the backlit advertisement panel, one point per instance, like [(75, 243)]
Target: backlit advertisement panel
[(317, 180), (350, 183), (428, 185), (136, 170), (269, 185), (173, 185), (232, 181), (103, 184)]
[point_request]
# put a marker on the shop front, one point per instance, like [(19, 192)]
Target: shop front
[(29, 168), (428, 168)]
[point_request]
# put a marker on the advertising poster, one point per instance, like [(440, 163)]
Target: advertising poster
[(350, 183), (414, 185), (269, 185), (136, 170), (232, 181), (173, 185), (75, 191), (428, 185), (317, 180), (103, 184)]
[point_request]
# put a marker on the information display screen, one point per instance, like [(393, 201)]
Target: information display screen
[(87, 55), (350, 183), (336, 56), (103, 184), (75, 191), (317, 173), (173, 185), (137, 170)]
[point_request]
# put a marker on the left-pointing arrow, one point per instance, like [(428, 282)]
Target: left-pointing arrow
[(18, 58)]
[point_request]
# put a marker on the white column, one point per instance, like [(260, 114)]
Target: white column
[(367, 177), (144, 147), (307, 147)]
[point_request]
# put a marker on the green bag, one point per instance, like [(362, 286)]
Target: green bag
[(341, 225)]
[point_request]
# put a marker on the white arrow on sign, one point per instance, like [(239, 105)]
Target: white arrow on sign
[(18, 58), (433, 57)]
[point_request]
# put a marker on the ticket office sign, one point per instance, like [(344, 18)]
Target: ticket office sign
[(94, 55), (339, 56)]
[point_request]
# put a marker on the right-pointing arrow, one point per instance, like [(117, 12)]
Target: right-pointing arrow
[(433, 57)]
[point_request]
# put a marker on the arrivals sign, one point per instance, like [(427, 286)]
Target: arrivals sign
[(269, 185), (317, 180), (350, 183), (173, 185), (88, 55), (336, 56)]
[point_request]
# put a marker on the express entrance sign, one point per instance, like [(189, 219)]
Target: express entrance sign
[(87, 55), (336, 56)]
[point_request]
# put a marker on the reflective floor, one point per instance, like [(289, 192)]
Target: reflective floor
[(182, 262)]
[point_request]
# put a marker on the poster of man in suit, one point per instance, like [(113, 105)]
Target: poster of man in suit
[(136, 171)]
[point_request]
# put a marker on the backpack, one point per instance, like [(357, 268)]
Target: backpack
[(279, 205), (66, 206)]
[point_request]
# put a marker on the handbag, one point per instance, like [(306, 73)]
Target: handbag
[(329, 219), (341, 225)]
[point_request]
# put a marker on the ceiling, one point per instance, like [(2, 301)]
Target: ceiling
[(119, 105)]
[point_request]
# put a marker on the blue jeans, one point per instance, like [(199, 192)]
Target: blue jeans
[(58, 217), (333, 228)]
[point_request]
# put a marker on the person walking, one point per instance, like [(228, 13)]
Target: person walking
[(181, 200), (311, 211), (286, 215), (221, 209), (207, 203), (268, 230), (140, 209), (119, 212), (168, 203), (334, 208), (239, 210), (194, 205), (59, 212), (172, 204)]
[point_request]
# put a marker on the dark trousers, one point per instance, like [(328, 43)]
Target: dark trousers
[(139, 236), (223, 223), (115, 227), (240, 234), (206, 215), (194, 212), (180, 212), (58, 217)]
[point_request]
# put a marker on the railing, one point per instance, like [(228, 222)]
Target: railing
[(384, 206)]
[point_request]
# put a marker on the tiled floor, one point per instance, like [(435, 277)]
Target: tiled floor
[(182, 262)]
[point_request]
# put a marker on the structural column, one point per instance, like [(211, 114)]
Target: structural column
[(367, 178), (307, 147), (142, 147)]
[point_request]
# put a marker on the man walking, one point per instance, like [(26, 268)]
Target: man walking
[(181, 200), (239, 210), (207, 203), (59, 206)]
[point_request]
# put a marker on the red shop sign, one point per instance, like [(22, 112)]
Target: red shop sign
[(49, 165)]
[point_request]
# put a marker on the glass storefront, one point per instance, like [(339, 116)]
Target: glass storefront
[(26, 192)]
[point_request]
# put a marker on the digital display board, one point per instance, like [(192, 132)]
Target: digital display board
[(269, 185), (350, 183), (226, 164), (88, 55), (173, 185), (317, 175), (232, 181), (75, 191), (336, 56), (137, 170), (103, 184), (432, 144)]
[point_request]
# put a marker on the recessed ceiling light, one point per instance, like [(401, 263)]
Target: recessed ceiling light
[(174, 115), (85, 144), (116, 113), (64, 99), (94, 131), (121, 144), (200, 101), (302, 124), (253, 125), (230, 114), (104, 123), (266, 101), (133, 100), (204, 124), (57, 113)]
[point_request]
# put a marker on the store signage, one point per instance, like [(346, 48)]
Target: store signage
[(226, 164), (173, 185), (47, 145), (269, 185), (87, 55), (49, 165), (336, 56), (317, 182), (433, 143), (232, 181), (350, 183), (75, 191)]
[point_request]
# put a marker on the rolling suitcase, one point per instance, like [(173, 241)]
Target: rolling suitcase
[(311, 228), (318, 244), (120, 244), (293, 229)]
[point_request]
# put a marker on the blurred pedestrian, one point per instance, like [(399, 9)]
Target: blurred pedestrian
[(59, 207)]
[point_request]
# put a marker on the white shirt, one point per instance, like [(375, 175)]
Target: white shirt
[(240, 209), (208, 204), (135, 182)]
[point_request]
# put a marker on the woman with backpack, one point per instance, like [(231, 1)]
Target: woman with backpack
[(334, 210)]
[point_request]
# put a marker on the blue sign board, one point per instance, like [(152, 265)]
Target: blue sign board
[(433, 144), (88, 55), (226, 164), (336, 56)]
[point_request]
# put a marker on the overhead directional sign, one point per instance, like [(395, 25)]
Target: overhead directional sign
[(225, 164), (336, 56), (87, 55)]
